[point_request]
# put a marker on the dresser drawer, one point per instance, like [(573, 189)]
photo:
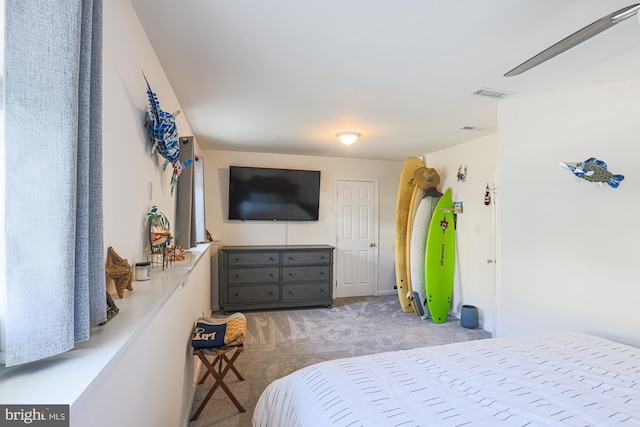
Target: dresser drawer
[(253, 275), (306, 292), (275, 276), (242, 294), (306, 274), (317, 257), (258, 258)]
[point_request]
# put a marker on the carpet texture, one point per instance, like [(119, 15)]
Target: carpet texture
[(280, 342)]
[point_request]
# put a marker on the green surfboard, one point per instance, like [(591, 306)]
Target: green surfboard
[(439, 263)]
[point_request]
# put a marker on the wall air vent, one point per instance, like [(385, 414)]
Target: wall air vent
[(491, 93), (475, 128)]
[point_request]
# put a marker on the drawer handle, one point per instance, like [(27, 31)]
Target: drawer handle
[(237, 259), (290, 274), (237, 276), (236, 294), (270, 293), (290, 293), (271, 259), (322, 273), (270, 274), (290, 259)]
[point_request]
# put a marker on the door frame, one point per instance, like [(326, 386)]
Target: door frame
[(376, 229)]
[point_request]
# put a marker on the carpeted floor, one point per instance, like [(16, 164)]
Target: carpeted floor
[(280, 342)]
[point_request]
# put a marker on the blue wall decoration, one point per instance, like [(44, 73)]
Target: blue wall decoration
[(594, 170)]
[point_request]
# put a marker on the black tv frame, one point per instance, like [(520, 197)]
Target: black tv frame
[(273, 194)]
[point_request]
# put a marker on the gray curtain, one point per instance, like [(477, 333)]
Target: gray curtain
[(185, 203), (55, 285), (198, 194)]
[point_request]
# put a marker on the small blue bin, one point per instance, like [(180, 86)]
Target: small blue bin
[(469, 316)]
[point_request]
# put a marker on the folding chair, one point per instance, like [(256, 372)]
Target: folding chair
[(234, 329)]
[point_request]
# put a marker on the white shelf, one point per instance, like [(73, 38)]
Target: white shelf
[(63, 378)]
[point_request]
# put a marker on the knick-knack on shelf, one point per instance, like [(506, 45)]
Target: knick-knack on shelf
[(119, 270)]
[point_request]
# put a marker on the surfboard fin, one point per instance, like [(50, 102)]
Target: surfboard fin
[(416, 297)]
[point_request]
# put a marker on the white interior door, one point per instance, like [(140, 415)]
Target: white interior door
[(356, 240)]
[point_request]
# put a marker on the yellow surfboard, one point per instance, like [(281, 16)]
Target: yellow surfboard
[(406, 184)]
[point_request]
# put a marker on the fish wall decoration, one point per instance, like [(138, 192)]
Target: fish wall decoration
[(594, 170), (164, 135)]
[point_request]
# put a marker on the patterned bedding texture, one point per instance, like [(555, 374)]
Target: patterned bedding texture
[(563, 378)]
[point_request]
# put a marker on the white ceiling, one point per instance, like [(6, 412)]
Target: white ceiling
[(284, 76)]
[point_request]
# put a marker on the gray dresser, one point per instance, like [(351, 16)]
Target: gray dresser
[(262, 277)]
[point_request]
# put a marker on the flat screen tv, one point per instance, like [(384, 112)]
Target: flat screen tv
[(267, 194)]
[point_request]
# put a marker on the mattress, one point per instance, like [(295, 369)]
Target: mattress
[(563, 378)]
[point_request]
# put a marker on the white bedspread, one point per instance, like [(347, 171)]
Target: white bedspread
[(564, 378)]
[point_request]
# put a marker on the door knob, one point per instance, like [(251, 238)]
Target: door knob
[(372, 245), (490, 261)]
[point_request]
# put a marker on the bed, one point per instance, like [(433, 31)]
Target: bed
[(562, 378)]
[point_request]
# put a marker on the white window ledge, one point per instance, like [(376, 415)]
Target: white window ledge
[(63, 378)]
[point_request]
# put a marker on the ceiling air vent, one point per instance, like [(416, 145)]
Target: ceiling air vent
[(491, 93), (475, 128)]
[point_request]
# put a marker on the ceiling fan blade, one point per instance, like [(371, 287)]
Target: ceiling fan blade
[(576, 38)]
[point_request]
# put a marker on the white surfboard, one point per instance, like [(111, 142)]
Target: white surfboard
[(417, 253), (416, 198)]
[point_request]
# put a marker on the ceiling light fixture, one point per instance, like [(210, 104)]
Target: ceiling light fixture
[(348, 138)]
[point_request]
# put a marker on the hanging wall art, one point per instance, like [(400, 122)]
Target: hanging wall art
[(462, 174), (594, 170), (164, 135)]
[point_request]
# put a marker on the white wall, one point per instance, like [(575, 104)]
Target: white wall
[(320, 232), (475, 235), (140, 386), (568, 254), (128, 163)]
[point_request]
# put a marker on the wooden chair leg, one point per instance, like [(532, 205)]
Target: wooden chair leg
[(219, 375), (202, 358), (233, 368), (226, 359)]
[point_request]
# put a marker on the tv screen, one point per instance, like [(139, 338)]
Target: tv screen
[(273, 194)]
